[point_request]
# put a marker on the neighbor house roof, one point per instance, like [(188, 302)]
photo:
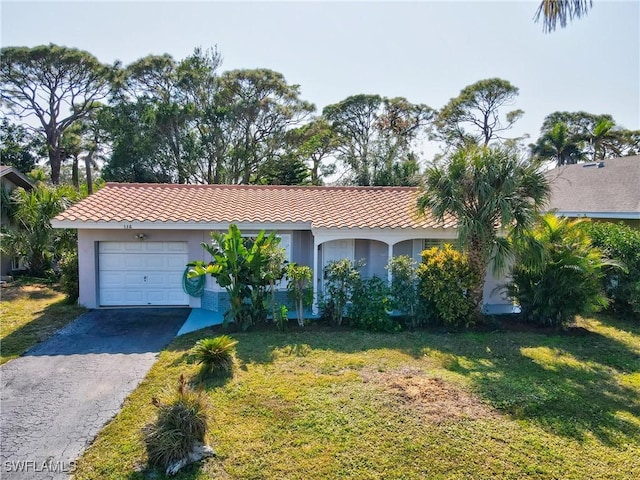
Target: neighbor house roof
[(606, 189), (15, 176), (167, 206)]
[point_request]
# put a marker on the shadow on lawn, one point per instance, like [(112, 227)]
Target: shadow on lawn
[(567, 382), (51, 319)]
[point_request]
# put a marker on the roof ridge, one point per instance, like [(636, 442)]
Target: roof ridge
[(260, 187)]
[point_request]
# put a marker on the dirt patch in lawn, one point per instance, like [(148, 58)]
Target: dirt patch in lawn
[(35, 292), (432, 398)]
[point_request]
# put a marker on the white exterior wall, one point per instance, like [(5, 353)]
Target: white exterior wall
[(88, 254)]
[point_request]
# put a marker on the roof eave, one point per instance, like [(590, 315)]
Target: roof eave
[(617, 215)]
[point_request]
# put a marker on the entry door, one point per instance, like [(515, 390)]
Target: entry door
[(142, 273)]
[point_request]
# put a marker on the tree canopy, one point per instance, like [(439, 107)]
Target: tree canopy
[(57, 85)]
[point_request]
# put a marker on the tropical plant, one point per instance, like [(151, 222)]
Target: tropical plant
[(557, 273), (340, 278), (622, 244), (215, 354), (239, 265), (181, 426), (446, 282), (369, 306), (553, 12), (281, 317), (559, 146), (275, 269), (299, 281), (403, 292), (485, 189), (33, 236)]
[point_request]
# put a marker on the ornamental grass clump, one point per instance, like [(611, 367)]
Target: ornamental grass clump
[(180, 428), (215, 354)]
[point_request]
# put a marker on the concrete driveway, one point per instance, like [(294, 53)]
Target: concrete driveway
[(57, 397)]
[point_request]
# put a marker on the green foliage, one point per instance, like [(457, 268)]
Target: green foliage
[(340, 278), (69, 279), (181, 425), (55, 84), (558, 273), (553, 12), (403, 291), (473, 117), (376, 136), (621, 243), (446, 280), (242, 267), (281, 317), (485, 188), (559, 146), (571, 137), (18, 147), (369, 305), (298, 286), (215, 354), (34, 238)]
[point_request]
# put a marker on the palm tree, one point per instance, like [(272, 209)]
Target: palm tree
[(485, 188), (558, 145), (34, 238), (604, 139), (559, 11)]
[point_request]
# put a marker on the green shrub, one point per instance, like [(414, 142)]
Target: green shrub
[(445, 284), (215, 354), (69, 280), (340, 277), (557, 273), (181, 425), (281, 317), (403, 294), (299, 280), (620, 243), (369, 306)]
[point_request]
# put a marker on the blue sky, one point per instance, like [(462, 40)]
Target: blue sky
[(425, 51)]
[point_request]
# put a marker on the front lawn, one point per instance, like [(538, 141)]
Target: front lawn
[(327, 404), (31, 312)]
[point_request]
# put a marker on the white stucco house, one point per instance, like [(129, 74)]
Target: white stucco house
[(134, 240)]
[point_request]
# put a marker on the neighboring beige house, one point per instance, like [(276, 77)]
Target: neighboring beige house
[(604, 191), (134, 240), (10, 178)]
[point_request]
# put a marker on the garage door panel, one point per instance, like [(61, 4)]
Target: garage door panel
[(142, 273)]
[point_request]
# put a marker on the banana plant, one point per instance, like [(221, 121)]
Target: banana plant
[(239, 265)]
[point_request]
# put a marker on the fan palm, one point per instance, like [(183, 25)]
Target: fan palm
[(553, 12), (485, 188)]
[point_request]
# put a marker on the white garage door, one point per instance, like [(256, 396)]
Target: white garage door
[(142, 273)]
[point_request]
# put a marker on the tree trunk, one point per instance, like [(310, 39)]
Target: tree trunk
[(478, 264), (88, 160), (75, 175), (55, 162)]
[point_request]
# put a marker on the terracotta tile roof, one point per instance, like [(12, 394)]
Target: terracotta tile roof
[(317, 207), (590, 188)]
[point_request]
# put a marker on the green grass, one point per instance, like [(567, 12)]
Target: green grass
[(326, 404), (31, 312)]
